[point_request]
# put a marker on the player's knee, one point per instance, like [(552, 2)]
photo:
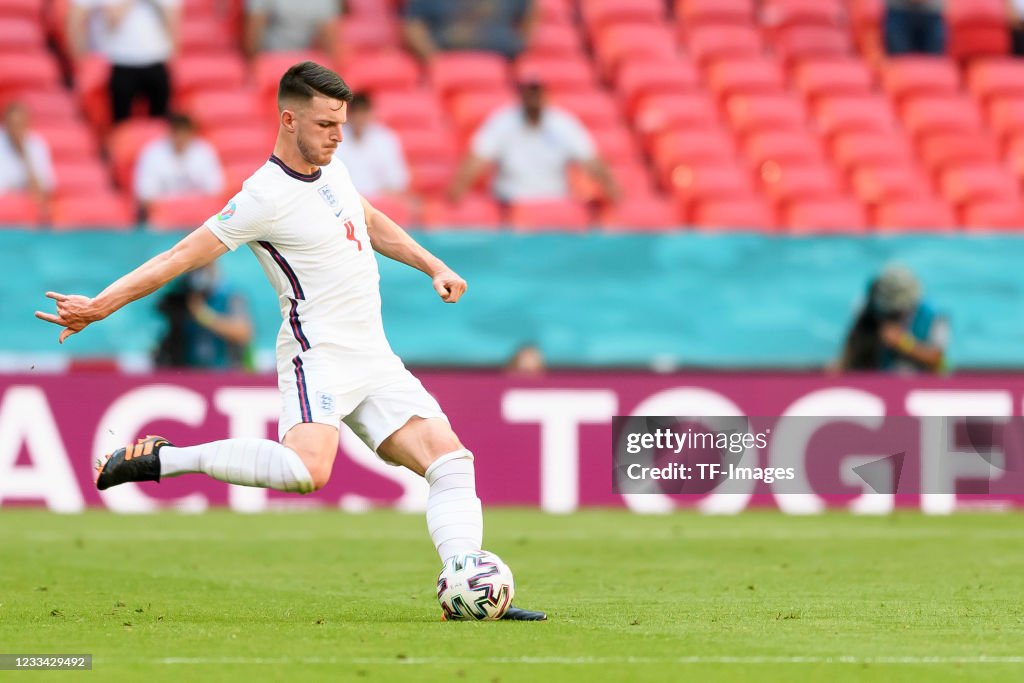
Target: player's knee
[(319, 474)]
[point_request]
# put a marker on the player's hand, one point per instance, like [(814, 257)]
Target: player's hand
[(449, 286), (74, 313)]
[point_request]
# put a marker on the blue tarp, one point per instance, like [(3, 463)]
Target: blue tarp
[(688, 299)]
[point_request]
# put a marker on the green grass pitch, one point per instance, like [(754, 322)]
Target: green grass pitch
[(322, 595)]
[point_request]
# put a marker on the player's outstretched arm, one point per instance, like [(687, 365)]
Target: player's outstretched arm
[(389, 239), (75, 312)]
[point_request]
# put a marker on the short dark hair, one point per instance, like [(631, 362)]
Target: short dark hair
[(306, 80), (360, 101), (179, 121)]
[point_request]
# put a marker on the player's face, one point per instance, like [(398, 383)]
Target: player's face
[(318, 129)]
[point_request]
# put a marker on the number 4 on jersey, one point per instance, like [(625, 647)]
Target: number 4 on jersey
[(350, 233)]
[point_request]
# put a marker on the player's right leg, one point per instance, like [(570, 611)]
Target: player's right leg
[(301, 464)]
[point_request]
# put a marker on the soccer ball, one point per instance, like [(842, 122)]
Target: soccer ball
[(475, 586)]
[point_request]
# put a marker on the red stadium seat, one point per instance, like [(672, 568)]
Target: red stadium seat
[(837, 115), (451, 72), (632, 178), (641, 77), (866, 20), (203, 34), (643, 214), (855, 149), (977, 28), (884, 183), (19, 210), (795, 182), (597, 13), (615, 144), (928, 115), (359, 34), (784, 148), (753, 113), (660, 113), (91, 78), (249, 143), (1014, 155), (554, 40), (126, 142), (1006, 116), (848, 76), (214, 109), (409, 109), (431, 176), (427, 145), (109, 211), (595, 108), (396, 208), (620, 43), (48, 106), (730, 41), (184, 212), (694, 12), (783, 13), (553, 11), (208, 72), (28, 71), (473, 211), (731, 76), (25, 9), (1005, 215), (795, 43), (749, 213), (825, 216), (545, 216), (713, 181), (920, 75), (21, 35), (558, 74), (72, 140), (691, 147), (924, 214), (942, 150), (81, 177), (382, 71), (996, 77), (974, 182)]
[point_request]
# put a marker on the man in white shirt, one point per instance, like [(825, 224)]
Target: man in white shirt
[(178, 164), (372, 152), (283, 25), (138, 38), (532, 145), (24, 156), (314, 235)]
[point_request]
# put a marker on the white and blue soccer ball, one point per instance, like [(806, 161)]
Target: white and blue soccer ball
[(475, 586)]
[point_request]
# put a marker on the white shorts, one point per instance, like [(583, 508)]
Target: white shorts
[(374, 395)]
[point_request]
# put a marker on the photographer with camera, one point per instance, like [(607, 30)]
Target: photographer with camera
[(208, 324), (896, 331)]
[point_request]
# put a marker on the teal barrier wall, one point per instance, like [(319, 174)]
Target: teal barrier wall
[(689, 299)]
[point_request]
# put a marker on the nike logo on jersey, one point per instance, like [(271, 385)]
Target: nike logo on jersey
[(337, 214)]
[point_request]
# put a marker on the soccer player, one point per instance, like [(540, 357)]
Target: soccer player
[(313, 234)]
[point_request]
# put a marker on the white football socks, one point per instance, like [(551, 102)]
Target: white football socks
[(248, 462), (454, 517)]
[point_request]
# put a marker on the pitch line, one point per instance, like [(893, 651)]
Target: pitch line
[(581, 661)]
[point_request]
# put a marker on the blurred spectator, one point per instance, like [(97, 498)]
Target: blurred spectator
[(532, 145), (896, 331), (1015, 9), (372, 152), (24, 157), (138, 38), (527, 361), (178, 164), (280, 25), (501, 26), (207, 324), (915, 26)]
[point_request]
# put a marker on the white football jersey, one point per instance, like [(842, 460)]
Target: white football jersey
[(309, 234)]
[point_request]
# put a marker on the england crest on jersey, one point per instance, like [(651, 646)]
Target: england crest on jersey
[(328, 196)]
